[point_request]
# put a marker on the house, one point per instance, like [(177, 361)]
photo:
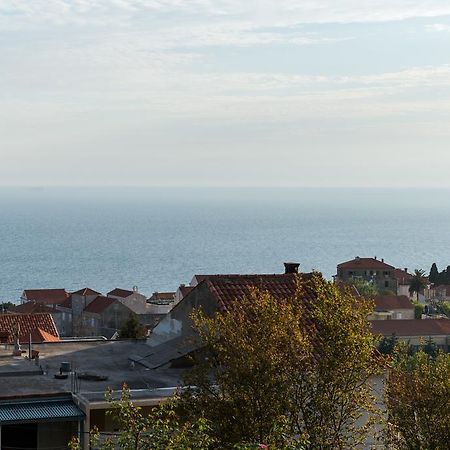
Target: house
[(104, 314), (373, 270), (441, 292), (49, 297), (403, 281), (388, 307), (174, 337), (39, 422), (72, 311), (39, 326), (415, 332), (132, 299)]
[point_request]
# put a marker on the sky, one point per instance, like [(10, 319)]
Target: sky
[(225, 93)]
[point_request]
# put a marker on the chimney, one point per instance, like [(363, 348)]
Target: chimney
[(406, 269), (382, 260), (375, 257), (291, 267)]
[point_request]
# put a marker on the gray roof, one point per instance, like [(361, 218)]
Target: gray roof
[(38, 410)]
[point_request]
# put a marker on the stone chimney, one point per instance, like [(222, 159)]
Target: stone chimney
[(291, 267)]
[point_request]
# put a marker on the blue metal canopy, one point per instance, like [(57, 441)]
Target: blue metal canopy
[(57, 409)]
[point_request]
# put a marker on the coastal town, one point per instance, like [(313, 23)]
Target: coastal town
[(62, 350)]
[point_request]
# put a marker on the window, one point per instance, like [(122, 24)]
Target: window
[(386, 284)]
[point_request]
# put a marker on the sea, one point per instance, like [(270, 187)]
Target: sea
[(158, 238)]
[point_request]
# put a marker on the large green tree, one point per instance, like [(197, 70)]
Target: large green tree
[(277, 369), (417, 400)]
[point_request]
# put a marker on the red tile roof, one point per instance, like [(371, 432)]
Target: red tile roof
[(388, 302), (41, 326), (162, 296), (46, 296), (229, 288), (413, 327), (67, 303), (31, 307), (123, 293), (185, 290), (99, 304), (402, 276), (86, 291), (365, 263)]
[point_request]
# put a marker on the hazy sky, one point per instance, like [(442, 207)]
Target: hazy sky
[(225, 92)]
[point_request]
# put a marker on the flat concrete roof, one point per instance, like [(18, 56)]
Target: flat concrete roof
[(19, 376)]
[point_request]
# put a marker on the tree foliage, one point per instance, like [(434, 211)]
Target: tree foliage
[(419, 309), (364, 288), (276, 370), (418, 282), (132, 329), (437, 277), (161, 429), (417, 400), (387, 345)]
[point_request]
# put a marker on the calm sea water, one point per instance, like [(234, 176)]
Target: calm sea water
[(159, 238)]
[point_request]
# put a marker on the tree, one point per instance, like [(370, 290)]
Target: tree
[(160, 429), (132, 329), (6, 306), (387, 345), (434, 274), (364, 288), (417, 400), (275, 369), (418, 282), (419, 309)]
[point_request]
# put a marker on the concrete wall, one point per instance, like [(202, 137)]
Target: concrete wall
[(112, 317), (394, 314), (136, 302), (384, 279), (178, 322)]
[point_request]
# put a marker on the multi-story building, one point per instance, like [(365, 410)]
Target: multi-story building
[(373, 270)]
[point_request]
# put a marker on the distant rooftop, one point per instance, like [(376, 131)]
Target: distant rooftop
[(365, 263), (413, 327), (48, 296), (123, 293), (388, 302), (86, 291)]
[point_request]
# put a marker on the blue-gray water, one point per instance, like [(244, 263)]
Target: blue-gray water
[(158, 238)]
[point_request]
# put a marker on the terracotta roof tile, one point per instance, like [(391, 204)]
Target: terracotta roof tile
[(388, 302), (162, 296), (185, 290), (413, 327), (123, 293), (29, 323), (46, 296), (365, 263), (99, 304), (402, 276), (229, 288), (86, 291), (31, 307), (67, 303)]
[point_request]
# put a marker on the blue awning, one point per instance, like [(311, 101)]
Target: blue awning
[(39, 410)]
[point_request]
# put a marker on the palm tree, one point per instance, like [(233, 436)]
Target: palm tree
[(418, 282)]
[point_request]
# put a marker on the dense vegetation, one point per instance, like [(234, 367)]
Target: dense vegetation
[(437, 277)]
